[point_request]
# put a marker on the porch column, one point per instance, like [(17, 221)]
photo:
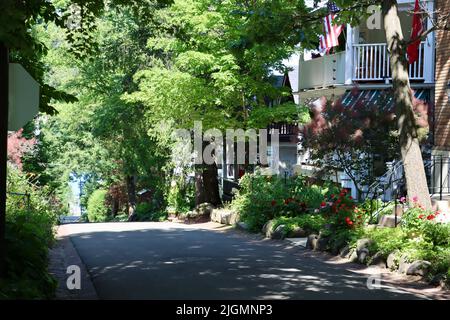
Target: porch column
[(349, 55), (428, 66)]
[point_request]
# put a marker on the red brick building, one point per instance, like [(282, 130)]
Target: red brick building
[(442, 87)]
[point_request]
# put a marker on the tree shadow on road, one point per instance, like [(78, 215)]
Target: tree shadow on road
[(179, 262)]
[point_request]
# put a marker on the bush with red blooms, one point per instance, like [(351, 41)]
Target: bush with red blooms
[(18, 146), (345, 135), (341, 211), (417, 216), (292, 207)]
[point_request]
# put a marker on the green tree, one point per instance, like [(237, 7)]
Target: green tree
[(209, 70)]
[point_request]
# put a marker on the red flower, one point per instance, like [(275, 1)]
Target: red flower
[(323, 204), (332, 196), (350, 197), (273, 203), (348, 221), (421, 216), (431, 217)]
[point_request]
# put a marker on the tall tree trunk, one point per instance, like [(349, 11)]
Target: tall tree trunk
[(207, 185), (4, 82), (114, 206), (131, 191), (416, 182)]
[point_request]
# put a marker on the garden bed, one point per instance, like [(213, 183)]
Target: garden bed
[(334, 222)]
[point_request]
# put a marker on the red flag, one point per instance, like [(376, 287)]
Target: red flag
[(417, 29)]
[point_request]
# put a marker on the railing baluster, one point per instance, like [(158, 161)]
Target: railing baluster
[(375, 62), (371, 63), (367, 62), (359, 62), (420, 61)]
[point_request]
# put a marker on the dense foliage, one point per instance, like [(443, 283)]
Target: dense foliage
[(358, 138), (262, 198), (342, 221), (97, 210), (31, 216)]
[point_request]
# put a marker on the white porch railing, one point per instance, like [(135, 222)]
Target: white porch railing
[(371, 63)]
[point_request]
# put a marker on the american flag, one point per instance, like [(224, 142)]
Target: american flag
[(332, 31), (332, 7)]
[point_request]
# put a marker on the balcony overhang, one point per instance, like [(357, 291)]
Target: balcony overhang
[(327, 92)]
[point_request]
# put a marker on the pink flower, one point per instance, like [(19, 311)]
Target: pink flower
[(415, 199), (403, 199)]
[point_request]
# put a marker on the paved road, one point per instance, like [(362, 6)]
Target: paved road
[(175, 261)]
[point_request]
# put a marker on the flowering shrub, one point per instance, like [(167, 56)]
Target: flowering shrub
[(415, 219), (262, 198), (342, 212), (18, 146), (259, 199)]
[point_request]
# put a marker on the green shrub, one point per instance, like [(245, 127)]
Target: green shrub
[(97, 210), (28, 234), (342, 212), (437, 233), (262, 198), (123, 217), (312, 195), (181, 196), (309, 222), (146, 212)]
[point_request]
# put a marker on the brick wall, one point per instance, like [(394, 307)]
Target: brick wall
[(442, 105)]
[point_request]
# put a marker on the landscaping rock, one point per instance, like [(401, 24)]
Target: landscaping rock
[(388, 221), (297, 233), (344, 252), (311, 243), (353, 256), (363, 244), (391, 261), (224, 216), (418, 268), (267, 229), (377, 260), (363, 254), (204, 209), (403, 265), (438, 280), (201, 213), (279, 232), (242, 225)]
